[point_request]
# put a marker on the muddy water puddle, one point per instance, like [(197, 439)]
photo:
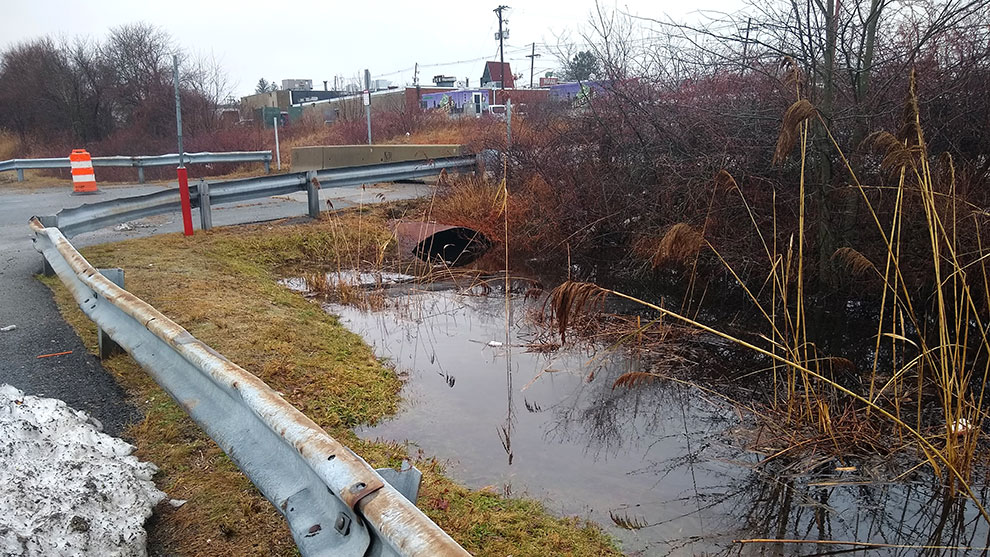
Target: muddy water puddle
[(656, 465)]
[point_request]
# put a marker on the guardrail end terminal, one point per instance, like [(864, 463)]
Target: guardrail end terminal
[(48, 221)]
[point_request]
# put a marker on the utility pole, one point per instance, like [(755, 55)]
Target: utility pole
[(184, 201), (419, 93), (367, 101), (749, 23), (532, 58), (502, 35), (178, 106)]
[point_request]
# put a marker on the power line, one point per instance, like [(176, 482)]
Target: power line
[(509, 49), (455, 62)]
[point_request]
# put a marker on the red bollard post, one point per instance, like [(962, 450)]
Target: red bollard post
[(187, 227)]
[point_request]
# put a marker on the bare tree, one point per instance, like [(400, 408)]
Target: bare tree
[(209, 85), (84, 90)]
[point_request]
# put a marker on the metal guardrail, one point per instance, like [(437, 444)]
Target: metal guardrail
[(92, 216), (140, 162), (333, 501)]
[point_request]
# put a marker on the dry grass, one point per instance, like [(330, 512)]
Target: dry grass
[(426, 129), (485, 206), (222, 286), (446, 131), (9, 145)]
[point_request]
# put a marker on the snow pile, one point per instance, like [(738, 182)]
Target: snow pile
[(65, 487)]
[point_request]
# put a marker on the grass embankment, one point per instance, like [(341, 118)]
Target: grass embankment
[(222, 287)]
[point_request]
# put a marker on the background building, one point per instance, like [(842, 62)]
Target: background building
[(297, 84), (493, 76)]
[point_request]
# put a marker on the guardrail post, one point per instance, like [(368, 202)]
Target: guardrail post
[(205, 214), (313, 194), (140, 174), (405, 480), (20, 174), (479, 164), (268, 166), (107, 347)]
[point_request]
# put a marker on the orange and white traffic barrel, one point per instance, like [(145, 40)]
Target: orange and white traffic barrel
[(83, 178)]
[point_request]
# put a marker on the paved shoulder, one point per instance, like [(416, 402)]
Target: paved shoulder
[(78, 378)]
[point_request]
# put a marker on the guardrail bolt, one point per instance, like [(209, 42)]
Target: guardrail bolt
[(343, 524)]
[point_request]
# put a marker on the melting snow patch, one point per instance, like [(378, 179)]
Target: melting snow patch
[(65, 487)]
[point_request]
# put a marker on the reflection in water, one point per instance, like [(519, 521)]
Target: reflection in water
[(656, 465), (505, 434)]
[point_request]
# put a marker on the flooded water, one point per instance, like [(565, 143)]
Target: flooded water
[(656, 465)]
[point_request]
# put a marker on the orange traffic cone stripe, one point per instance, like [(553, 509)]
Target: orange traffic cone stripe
[(83, 177)]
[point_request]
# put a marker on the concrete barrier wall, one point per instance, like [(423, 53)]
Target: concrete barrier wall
[(342, 156)]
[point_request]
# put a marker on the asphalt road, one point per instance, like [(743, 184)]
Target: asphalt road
[(78, 378)]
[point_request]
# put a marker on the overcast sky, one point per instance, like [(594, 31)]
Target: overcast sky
[(318, 40)]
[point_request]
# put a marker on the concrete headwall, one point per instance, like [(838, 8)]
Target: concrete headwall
[(340, 156)]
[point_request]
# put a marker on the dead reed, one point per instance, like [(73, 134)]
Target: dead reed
[(679, 245), (346, 289), (853, 262)]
